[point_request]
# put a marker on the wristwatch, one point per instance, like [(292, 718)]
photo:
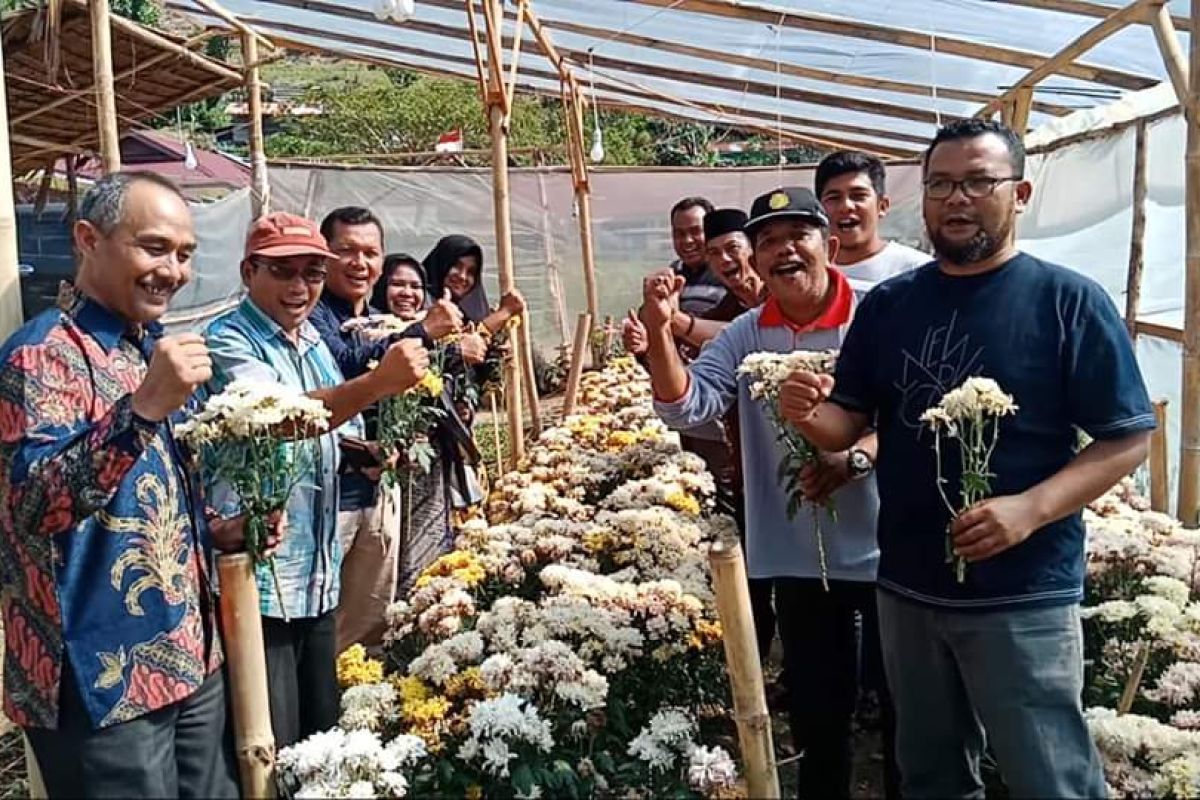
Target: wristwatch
[(859, 463)]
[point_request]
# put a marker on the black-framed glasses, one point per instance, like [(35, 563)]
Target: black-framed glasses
[(974, 188), (281, 272)]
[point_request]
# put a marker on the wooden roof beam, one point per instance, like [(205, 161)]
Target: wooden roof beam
[(1114, 22), (1085, 8), (610, 84), (806, 21), (603, 82)]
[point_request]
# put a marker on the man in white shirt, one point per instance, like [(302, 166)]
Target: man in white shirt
[(852, 188)]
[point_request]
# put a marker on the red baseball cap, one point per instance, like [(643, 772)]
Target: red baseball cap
[(280, 235)]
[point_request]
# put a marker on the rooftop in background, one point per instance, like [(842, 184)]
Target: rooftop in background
[(162, 153), (48, 79)]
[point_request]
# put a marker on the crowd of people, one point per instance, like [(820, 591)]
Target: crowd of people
[(113, 660)]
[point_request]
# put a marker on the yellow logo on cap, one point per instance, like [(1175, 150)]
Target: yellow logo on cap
[(778, 200)]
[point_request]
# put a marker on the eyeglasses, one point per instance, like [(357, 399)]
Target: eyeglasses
[(310, 275), (974, 188)]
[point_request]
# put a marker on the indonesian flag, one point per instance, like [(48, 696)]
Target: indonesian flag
[(449, 142)]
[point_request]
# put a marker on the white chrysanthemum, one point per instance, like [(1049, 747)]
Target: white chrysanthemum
[(767, 371), (668, 736), (1177, 686), (368, 707), (711, 770)]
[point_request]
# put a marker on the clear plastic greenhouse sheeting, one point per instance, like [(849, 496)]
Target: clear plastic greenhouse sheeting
[(617, 36)]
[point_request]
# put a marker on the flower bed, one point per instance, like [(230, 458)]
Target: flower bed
[(568, 646), (1142, 639)]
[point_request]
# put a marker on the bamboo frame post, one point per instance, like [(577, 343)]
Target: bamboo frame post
[(498, 117), (1160, 477), (583, 331), (1172, 53), (260, 187), (1137, 236), (745, 670), (1189, 461), (11, 314), (583, 193), (241, 622), (1134, 680), (106, 96), (529, 378)]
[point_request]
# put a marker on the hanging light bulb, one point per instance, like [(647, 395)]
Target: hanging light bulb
[(382, 9), (190, 162), (597, 146)]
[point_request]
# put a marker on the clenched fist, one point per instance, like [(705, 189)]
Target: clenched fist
[(801, 393), (178, 365), (402, 366), (443, 319), (660, 298), (513, 302), (473, 349)]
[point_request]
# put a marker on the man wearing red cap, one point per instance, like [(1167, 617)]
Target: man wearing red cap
[(268, 337)]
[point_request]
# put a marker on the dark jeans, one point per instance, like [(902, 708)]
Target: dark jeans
[(301, 676), (819, 631), (184, 750)]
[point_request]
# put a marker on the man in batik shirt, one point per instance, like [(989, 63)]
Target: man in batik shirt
[(112, 662)]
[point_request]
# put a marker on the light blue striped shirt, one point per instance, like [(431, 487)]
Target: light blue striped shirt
[(247, 344)]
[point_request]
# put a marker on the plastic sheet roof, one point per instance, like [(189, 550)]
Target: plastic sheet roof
[(878, 75)]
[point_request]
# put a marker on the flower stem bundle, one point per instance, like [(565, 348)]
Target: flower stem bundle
[(257, 439), (405, 422), (767, 372), (971, 415)]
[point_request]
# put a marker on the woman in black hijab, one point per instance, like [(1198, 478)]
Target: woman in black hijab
[(456, 265)]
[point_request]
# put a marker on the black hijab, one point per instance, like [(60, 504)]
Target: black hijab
[(379, 295), (437, 265)]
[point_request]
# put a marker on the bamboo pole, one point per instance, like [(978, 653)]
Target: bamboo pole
[(260, 187), (583, 196), (1160, 477), (499, 118), (1172, 53), (745, 669), (1129, 693), (11, 315), (1189, 461), (583, 331), (529, 377), (1137, 237), (106, 96), (33, 773), (241, 623)]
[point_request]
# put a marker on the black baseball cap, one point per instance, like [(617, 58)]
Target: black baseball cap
[(783, 203), (722, 221)]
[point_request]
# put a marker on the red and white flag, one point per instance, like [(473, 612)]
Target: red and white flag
[(449, 142)]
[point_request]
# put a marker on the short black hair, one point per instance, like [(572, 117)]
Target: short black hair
[(972, 128), (690, 202), (349, 215), (851, 162), (103, 205)]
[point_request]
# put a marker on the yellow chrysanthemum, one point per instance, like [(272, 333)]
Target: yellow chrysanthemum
[(430, 384), (597, 541), (410, 689), (458, 564), (468, 683), (355, 669), (620, 439), (474, 792), (425, 712), (683, 502), (709, 631)]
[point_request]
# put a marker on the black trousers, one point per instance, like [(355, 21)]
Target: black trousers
[(184, 750), (301, 676), (821, 669)]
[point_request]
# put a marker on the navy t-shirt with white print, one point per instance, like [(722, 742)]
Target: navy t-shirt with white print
[(1050, 337)]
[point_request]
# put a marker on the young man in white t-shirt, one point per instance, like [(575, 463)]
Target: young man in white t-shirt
[(851, 187)]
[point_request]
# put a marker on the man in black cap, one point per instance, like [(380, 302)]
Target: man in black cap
[(729, 258), (808, 308)]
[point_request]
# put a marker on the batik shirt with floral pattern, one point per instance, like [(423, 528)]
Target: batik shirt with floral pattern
[(102, 558)]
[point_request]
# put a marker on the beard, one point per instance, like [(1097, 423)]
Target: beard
[(980, 247)]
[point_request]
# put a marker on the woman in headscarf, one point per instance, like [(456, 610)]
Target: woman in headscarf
[(454, 269), (427, 534)]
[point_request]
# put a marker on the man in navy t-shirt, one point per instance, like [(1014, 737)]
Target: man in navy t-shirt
[(1002, 650)]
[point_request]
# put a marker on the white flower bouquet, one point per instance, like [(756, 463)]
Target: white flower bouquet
[(767, 372), (257, 439), (969, 414)]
